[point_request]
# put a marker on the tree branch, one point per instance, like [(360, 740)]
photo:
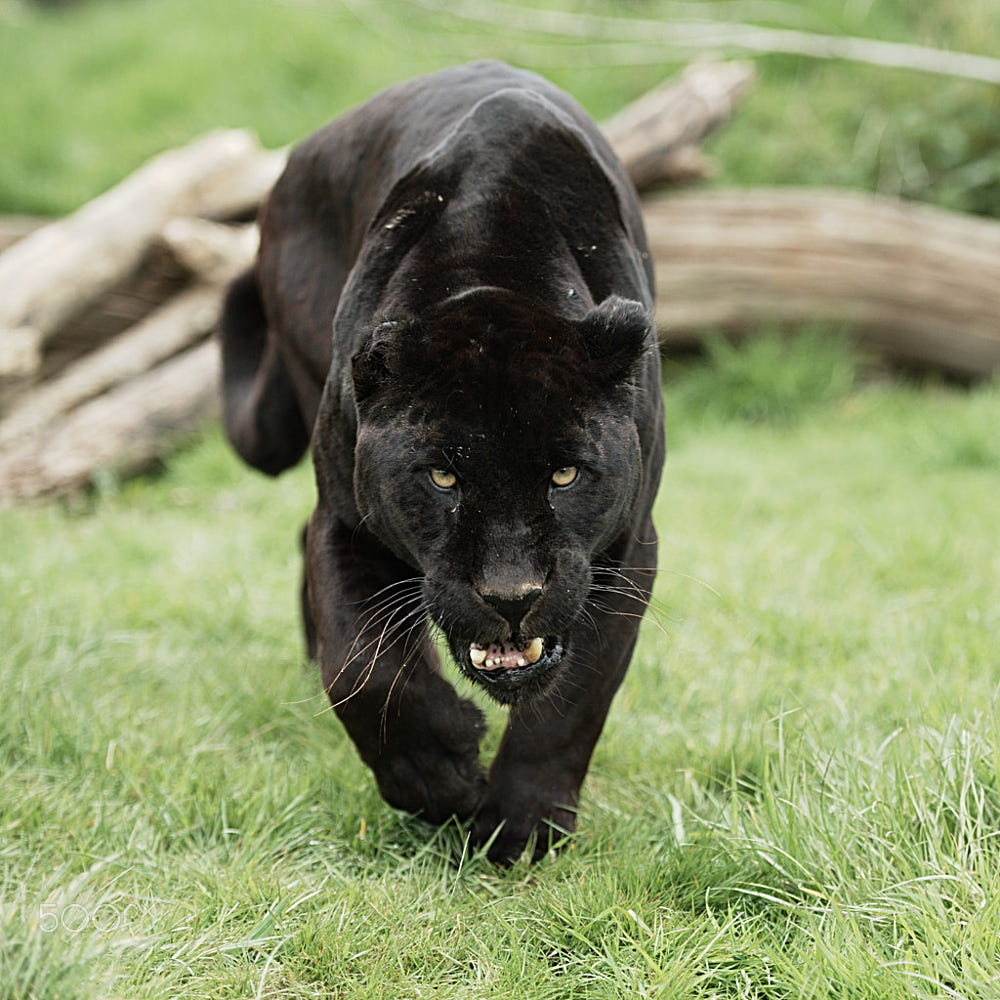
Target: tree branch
[(683, 37)]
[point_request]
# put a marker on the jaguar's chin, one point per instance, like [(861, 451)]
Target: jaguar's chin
[(514, 671)]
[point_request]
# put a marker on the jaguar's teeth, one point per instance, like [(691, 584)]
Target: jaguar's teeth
[(533, 651), (506, 655)]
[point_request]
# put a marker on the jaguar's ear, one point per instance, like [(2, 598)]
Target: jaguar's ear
[(376, 364), (616, 335)]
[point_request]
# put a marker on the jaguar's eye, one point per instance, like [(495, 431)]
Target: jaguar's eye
[(565, 476), (443, 479)]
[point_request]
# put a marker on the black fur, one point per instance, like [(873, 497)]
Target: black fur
[(454, 296)]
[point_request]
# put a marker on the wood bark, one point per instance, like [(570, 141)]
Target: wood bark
[(656, 136), (214, 252), (52, 272), (238, 193), (920, 284), (181, 322), (120, 432), (14, 228)]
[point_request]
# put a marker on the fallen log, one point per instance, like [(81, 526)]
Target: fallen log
[(920, 284), (237, 194), (183, 321), (14, 228), (120, 432), (51, 273), (657, 136), (214, 252)]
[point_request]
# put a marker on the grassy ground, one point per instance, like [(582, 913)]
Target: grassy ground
[(797, 795), (798, 792)]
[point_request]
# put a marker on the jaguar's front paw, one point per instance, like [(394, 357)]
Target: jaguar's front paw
[(433, 770), (514, 829)]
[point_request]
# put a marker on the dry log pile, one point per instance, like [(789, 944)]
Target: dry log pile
[(106, 354)]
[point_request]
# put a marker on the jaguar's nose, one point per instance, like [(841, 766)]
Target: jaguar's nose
[(513, 607)]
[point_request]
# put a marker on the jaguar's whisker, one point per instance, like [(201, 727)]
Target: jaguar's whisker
[(387, 620)]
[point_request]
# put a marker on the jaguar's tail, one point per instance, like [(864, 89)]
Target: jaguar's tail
[(260, 412)]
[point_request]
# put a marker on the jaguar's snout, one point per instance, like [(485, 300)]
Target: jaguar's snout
[(513, 605)]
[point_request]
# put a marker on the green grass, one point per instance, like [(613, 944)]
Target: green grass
[(94, 90), (798, 791), (797, 794)]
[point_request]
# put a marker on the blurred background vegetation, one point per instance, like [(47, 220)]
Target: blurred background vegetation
[(95, 87)]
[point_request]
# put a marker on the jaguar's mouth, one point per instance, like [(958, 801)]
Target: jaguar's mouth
[(506, 655), (511, 670)]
